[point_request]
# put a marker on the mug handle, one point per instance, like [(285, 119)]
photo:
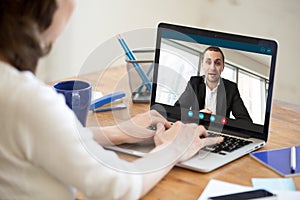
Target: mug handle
[(75, 99)]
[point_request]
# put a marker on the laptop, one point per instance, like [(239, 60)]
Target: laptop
[(249, 64)]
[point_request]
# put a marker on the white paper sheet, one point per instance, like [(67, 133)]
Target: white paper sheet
[(216, 188)]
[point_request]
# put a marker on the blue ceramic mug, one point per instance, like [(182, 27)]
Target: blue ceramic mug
[(78, 96)]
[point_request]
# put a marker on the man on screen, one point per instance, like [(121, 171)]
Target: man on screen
[(212, 94)]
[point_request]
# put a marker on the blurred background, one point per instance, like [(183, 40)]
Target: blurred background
[(96, 22)]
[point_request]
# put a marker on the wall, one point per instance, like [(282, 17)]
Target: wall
[(269, 18), (95, 22)]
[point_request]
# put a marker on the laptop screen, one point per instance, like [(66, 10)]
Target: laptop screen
[(220, 80)]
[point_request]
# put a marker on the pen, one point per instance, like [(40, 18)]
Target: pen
[(138, 68), (293, 159)]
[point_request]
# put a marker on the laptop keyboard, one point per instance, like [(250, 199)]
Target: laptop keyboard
[(228, 145)]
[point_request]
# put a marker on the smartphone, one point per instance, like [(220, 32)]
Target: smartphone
[(254, 194)]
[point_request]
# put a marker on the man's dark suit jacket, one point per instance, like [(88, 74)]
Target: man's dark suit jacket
[(228, 98)]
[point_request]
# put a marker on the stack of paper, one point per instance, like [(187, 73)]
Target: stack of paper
[(217, 188)]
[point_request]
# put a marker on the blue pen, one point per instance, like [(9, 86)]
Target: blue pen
[(137, 67), (148, 73)]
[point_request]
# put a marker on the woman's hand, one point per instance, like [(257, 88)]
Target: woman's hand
[(186, 138), (142, 126), (150, 118), (137, 129)]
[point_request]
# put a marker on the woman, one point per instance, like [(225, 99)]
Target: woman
[(41, 152)]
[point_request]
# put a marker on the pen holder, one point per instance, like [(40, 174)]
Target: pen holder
[(140, 73)]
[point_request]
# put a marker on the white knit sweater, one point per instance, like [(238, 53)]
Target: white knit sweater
[(41, 152)]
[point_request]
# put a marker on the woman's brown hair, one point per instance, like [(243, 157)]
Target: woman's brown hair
[(21, 25)]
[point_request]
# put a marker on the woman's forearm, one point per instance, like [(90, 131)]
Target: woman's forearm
[(109, 135)]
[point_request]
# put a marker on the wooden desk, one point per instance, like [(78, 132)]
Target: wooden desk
[(185, 184)]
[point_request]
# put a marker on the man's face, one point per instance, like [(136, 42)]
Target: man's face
[(212, 66)]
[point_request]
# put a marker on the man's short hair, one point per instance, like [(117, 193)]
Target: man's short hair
[(216, 49)]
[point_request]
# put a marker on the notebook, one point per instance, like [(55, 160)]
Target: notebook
[(248, 74), (279, 160)]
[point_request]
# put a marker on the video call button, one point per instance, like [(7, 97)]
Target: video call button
[(212, 118), (201, 115), (190, 113), (224, 120)]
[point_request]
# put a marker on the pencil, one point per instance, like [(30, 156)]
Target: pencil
[(137, 67)]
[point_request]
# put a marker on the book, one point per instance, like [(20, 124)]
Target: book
[(279, 160)]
